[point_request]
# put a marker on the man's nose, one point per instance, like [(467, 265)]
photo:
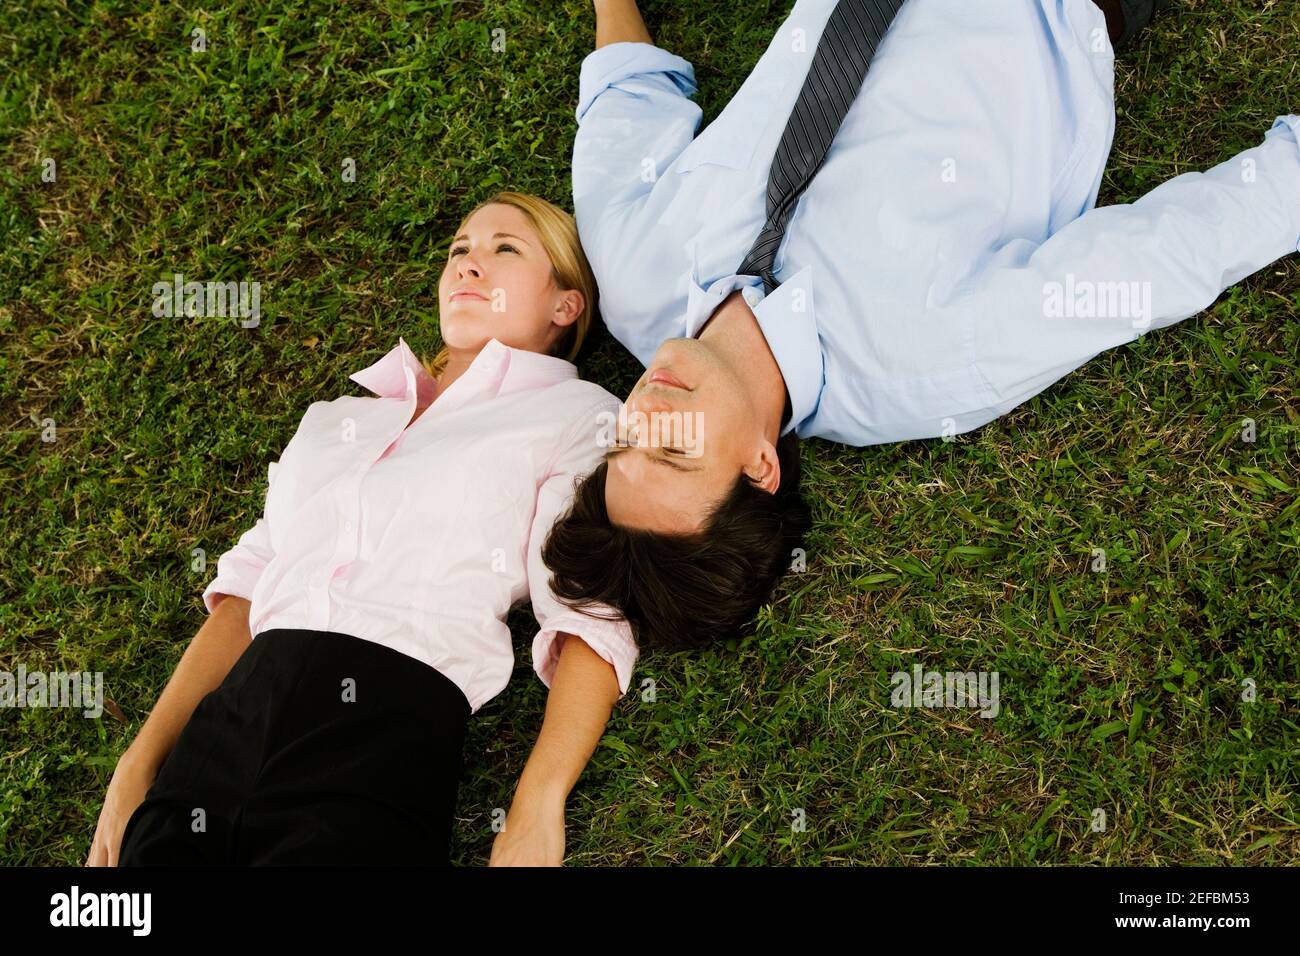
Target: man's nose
[(648, 402)]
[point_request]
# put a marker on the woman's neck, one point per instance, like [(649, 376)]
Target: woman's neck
[(458, 364)]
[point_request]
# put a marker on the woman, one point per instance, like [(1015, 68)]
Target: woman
[(398, 532)]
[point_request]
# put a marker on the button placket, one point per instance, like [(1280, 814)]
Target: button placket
[(347, 502), (409, 402)]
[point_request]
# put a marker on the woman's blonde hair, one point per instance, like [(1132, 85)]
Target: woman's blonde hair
[(569, 267)]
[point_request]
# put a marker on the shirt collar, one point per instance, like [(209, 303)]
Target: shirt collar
[(787, 321), (497, 370)]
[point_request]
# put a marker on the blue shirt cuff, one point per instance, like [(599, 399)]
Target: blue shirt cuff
[(615, 62)]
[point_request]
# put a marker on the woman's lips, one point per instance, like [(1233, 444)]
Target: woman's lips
[(667, 378), (466, 295)]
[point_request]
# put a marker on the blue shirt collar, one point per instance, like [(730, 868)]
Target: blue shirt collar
[(788, 322)]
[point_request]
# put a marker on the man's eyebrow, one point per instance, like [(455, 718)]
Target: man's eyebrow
[(497, 235), (661, 461)]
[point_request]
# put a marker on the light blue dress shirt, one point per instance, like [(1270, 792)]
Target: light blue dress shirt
[(947, 262)]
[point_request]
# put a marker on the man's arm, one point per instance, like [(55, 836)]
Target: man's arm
[(619, 21), (634, 114), (583, 692), (1118, 271)]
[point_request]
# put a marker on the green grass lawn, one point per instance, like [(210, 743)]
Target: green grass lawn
[(1120, 690)]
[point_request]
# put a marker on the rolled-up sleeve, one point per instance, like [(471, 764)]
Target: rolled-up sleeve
[(634, 119), (609, 636), (1160, 259), (240, 568)]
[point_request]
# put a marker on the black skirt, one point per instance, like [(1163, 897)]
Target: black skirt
[(317, 748)]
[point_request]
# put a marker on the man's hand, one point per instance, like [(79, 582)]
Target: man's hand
[(533, 836), (619, 21)]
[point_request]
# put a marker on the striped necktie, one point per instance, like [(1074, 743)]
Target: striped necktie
[(845, 49)]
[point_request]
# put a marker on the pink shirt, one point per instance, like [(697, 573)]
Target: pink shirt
[(423, 538)]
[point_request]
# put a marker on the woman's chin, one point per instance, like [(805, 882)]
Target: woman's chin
[(463, 335)]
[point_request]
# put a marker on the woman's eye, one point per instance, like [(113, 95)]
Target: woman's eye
[(456, 250)]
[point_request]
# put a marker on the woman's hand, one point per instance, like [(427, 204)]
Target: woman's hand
[(583, 690), (132, 779), (533, 836)]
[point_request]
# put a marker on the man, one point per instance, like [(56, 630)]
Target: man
[(944, 264)]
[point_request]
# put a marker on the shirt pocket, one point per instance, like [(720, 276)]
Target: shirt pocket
[(703, 201), (730, 147)]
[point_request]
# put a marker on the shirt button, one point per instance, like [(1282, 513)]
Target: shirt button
[(750, 296), (347, 526)]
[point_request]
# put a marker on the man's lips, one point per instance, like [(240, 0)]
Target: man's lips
[(665, 377)]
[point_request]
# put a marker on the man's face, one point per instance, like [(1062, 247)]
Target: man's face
[(689, 442)]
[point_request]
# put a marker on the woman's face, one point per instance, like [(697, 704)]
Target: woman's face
[(499, 257)]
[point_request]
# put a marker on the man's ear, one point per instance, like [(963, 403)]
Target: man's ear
[(766, 468)]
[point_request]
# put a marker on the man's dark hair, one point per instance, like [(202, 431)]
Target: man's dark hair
[(681, 591)]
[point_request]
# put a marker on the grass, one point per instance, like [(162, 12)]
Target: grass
[(1120, 690)]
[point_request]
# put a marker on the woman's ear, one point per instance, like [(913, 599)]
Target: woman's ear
[(569, 307)]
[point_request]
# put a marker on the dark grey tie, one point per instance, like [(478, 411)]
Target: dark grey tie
[(844, 51)]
